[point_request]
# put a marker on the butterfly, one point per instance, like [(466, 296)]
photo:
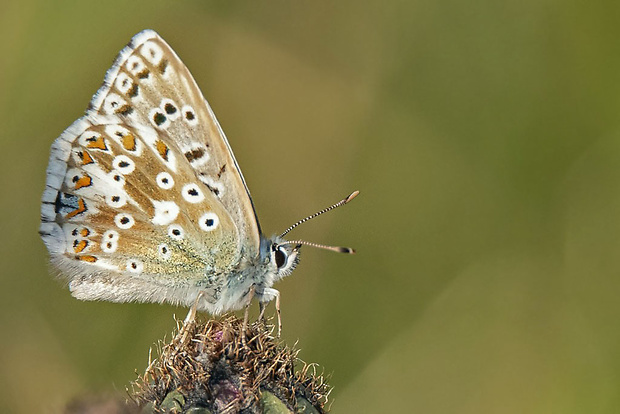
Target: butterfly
[(144, 200)]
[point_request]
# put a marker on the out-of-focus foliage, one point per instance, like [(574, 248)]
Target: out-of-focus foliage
[(484, 138)]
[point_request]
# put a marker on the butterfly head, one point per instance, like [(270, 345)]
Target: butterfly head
[(283, 256)]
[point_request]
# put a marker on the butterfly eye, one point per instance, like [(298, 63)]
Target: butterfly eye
[(280, 257)]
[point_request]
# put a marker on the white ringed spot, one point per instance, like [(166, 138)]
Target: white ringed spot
[(135, 266), (170, 108), (208, 221), (192, 193), (123, 164), (124, 221), (116, 200), (123, 82), (158, 118), (189, 115), (164, 251), (109, 246), (135, 65), (110, 235), (114, 104), (152, 52), (116, 178), (176, 232), (165, 212), (164, 180)]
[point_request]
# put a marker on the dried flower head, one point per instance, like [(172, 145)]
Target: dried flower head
[(209, 368)]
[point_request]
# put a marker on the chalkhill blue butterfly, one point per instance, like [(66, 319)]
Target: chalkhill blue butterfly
[(145, 202)]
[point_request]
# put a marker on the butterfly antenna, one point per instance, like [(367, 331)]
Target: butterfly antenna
[(300, 243), (336, 249), (325, 210)]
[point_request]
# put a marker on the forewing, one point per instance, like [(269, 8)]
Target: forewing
[(150, 85)]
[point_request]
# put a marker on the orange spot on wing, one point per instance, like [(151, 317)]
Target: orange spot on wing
[(86, 158), (81, 208), (84, 232), (79, 246), (85, 181), (129, 142), (162, 149), (87, 258), (97, 143)]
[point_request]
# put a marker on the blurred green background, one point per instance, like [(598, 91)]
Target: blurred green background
[(485, 140)]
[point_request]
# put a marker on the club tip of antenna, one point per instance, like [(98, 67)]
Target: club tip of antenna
[(347, 250), (351, 196)]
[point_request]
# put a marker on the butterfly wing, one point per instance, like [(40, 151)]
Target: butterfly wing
[(145, 68), (144, 199)]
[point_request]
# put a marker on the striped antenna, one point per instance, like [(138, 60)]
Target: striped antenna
[(336, 249), (325, 210)]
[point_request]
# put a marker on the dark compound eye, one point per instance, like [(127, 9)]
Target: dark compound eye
[(280, 258)]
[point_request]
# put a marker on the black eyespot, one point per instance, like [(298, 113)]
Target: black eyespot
[(159, 118), (170, 109), (176, 232), (280, 258)]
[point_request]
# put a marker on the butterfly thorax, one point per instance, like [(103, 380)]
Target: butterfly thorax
[(256, 273)]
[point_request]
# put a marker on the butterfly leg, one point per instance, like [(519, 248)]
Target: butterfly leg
[(278, 311), (189, 322), (262, 306), (246, 315), (270, 294)]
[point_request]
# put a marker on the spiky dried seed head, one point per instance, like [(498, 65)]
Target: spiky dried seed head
[(213, 370)]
